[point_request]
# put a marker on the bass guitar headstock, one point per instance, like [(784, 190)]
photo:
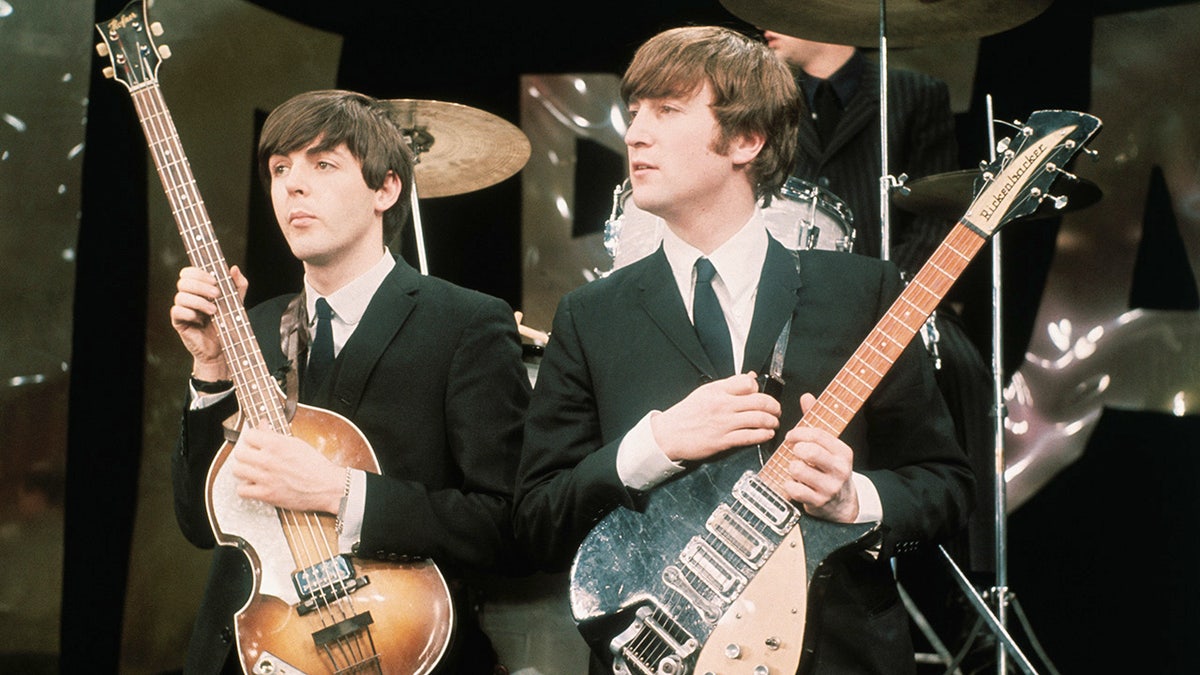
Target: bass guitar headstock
[(127, 41)]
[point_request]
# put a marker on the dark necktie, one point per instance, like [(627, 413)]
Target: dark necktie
[(710, 320), (320, 352), (826, 111)]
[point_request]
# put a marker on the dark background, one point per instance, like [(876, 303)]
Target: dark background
[(1106, 575)]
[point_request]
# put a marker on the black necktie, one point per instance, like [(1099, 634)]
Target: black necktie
[(826, 111), (710, 320), (320, 352)]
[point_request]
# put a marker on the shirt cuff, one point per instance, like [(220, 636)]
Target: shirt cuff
[(641, 464), (201, 401), (356, 506), (870, 508)]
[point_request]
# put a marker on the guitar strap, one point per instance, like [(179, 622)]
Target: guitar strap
[(293, 336), (772, 382), (772, 379)]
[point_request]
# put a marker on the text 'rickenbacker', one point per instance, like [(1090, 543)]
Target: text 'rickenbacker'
[(706, 578), (314, 609)]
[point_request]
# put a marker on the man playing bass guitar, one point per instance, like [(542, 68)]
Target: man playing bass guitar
[(429, 372)]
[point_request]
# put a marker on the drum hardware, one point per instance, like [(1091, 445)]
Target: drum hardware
[(820, 219), (456, 149)]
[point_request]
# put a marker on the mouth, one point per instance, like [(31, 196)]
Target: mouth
[(640, 167), (300, 217)]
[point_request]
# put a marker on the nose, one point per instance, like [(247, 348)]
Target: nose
[(294, 181), (637, 134)]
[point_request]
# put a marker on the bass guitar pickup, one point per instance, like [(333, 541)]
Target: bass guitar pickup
[(322, 583)]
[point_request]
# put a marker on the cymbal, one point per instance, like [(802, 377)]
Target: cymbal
[(910, 23), (458, 148), (949, 195)]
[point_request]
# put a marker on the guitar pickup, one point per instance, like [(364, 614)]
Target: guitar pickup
[(736, 534), (702, 560), (326, 581), (764, 503)]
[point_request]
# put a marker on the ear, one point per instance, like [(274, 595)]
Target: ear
[(388, 193), (744, 148)]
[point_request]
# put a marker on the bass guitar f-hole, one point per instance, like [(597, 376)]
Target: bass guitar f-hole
[(314, 609)]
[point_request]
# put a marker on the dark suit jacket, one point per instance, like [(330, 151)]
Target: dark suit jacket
[(623, 345), (921, 142), (433, 378)]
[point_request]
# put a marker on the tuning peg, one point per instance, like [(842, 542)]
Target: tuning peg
[(109, 73), (156, 29), (164, 51), (102, 49), (1051, 166), (1003, 144), (1059, 202)]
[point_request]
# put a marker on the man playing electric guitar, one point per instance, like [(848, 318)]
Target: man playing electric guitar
[(430, 373), (631, 400)]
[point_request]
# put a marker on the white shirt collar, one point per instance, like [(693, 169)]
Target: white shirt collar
[(349, 302), (738, 261)]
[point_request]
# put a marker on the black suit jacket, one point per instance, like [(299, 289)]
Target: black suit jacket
[(921, 142), (623, 345), (433, 378)]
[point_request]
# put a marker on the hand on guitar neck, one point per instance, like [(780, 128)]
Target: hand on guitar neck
[(196, 297), (820, 472)]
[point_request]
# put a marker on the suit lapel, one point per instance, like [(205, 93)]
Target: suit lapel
[(658, 297), (388, 310), (776, 299), (773, 306)]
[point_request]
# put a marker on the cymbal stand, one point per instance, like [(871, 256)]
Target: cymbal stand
[(417, 232), (418, 142)]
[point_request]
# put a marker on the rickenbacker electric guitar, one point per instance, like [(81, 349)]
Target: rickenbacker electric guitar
[(313, 609), (706, 579)]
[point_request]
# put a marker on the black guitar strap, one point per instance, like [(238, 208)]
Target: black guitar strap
[(293, 336)]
